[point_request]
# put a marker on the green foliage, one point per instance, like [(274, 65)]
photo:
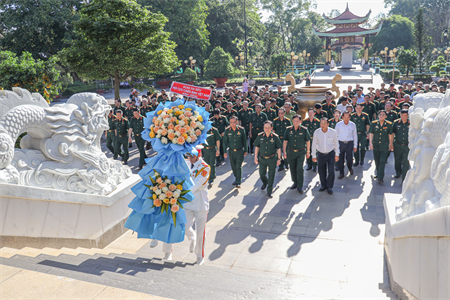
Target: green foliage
[(388, 74), (420, 38), (251, 70), (219, 64), (396, 31), (139, 86), (190, 74), (38, 27), (438, 64), (186, 25), (119, 38), (278, 63), (407, 59), (35, 75)]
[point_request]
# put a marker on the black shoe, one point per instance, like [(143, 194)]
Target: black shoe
[(130, 145), (234, 183), (125, 163), (286, 167), (210, 185), (375, 176), (280, 169), (397, 176), (380, 181), (308, 168), (217, 164), (336, 168), (351, 171), (314, 169), (300, 190), (269, 195), (263, 187), (294, 186), (322, 189), (330, 191), (361, 163), (356, 164), (341, 176), (140, 167)]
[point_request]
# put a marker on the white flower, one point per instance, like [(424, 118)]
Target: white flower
[(171, 131), (168, 181), (177, 133), (176, 109), (177, 193), (196, 113), (164, 189), (189, 140), (198, 124), (158, 192), (201, 127), (191, 131), (164, 140), (181, 123), (156, 174), (166, 120), (193, 118), (158, 136), (174, 141), (162, 197), (159, 132)]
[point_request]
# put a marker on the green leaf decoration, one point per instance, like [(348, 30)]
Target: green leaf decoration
[(174, 217)]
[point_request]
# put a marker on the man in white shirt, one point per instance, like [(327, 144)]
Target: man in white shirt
[(325, 150), (347, 137), (343, 105)]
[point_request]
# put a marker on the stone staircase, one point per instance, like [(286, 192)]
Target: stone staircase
[(127, 243)]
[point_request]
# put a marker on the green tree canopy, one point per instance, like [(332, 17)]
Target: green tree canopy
[(219, 64), (407, 59), (278, 63), (35, 75), (120, 38), (396, 31), (37, 26)]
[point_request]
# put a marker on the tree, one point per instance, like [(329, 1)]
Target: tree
[(35, 75), (37, 26), (219, 64), (278, 63), (186, 25), (407, 59), (120, 38), (438, 64), (420, 38), (396, 31)]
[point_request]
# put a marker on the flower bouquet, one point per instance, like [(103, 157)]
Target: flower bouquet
[(173, 130)]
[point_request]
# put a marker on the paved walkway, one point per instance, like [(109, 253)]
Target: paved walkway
[(292, 246)]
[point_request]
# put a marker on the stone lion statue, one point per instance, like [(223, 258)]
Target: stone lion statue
[(427, 183), (61, 148)]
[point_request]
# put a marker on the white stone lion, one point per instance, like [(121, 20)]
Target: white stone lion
[(61, 149)]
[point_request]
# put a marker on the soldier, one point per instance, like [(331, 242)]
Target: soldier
[(230, 111), (238, 104), (391, 116), (290, 112), (271, 113), (329, 107), (220, 122), (319, 112), (336, 119), (369, 108), (117, 105), (268, 155), (244, 119), (128, 114), (136, 125), (154, 103), (235, 138), (401, 150), (297, 141), (312, 123), (381, 142), (361, 120), (280, 125), (211, 152), (257, 120), (392, 92), (145, 108), (120, 126), (109, 134)]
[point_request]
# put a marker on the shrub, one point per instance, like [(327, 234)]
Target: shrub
[(219, 64), (190, 74)]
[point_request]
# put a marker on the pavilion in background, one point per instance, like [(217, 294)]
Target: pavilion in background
[(347, 36)]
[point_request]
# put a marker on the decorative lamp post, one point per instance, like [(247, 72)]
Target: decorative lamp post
[(192, 62), (293, 58), (385, 53), (434, 52), (186, 63), (237, 61), (241, 58), (392, 55), (307, 55)]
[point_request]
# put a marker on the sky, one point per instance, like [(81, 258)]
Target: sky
[(358, 7)]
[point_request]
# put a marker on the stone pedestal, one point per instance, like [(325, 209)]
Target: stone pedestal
[(326, 68), (347, 59), (418, 252), (38, 217), (366, 67)]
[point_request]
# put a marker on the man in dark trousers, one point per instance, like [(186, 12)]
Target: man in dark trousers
[(236, 139)]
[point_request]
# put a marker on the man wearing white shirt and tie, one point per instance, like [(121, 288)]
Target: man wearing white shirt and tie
[(325, 150), (347, 137)]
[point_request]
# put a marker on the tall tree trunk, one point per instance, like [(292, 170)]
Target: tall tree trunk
[(116, 85)]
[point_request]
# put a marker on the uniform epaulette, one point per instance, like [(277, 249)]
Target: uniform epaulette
[(125, 119), (289, 127), (398, 120), (389, 122), (261, 133), (274, 134), (304, 127), (375, 121), (364, 113), (228, 127), (316, 119), (275, 119), (212, 127), (287, 119), (352, 114)]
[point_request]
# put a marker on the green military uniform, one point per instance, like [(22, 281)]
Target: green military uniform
[(329, 109), (392, 94), (296, 151), (244, 117), (144, 110), (391, 116), (267, 157), (128, 112), (289, 115), (400, 104), (322, 114), (361, 123), (369, 108), (110, 135), (229, 114), (137, 126), (121, 139), (237, 107), (324, 101), (380, 143), (312, 126), (279, 127), (257, 122), (209, 151), (271, 113), (117, 108), (154, 106), (280, 101), (332, 123), (220, 123), (236, 140), (401, 149)]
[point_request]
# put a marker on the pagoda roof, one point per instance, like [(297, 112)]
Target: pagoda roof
[(347, 17), (347, 31)]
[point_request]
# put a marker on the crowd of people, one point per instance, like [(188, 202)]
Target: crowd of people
[(264, 123)]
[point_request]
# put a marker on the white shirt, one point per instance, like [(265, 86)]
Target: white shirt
[(200, 175), (342, 107), (346, 132), (325, 142)]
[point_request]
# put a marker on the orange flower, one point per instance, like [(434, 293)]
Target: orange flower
[(157, 202), (193, 124), (169, 194), (170, 126), (173, 201), (177, 128), (180, 140), (182, 130), (162, 184), (164, 132), (184, 135), (171, 136), (172, 187), (198, 132)]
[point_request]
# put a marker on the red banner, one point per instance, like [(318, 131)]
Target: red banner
[(190, 91)]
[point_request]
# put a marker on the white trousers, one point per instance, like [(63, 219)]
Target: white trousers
[(199, 234)]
